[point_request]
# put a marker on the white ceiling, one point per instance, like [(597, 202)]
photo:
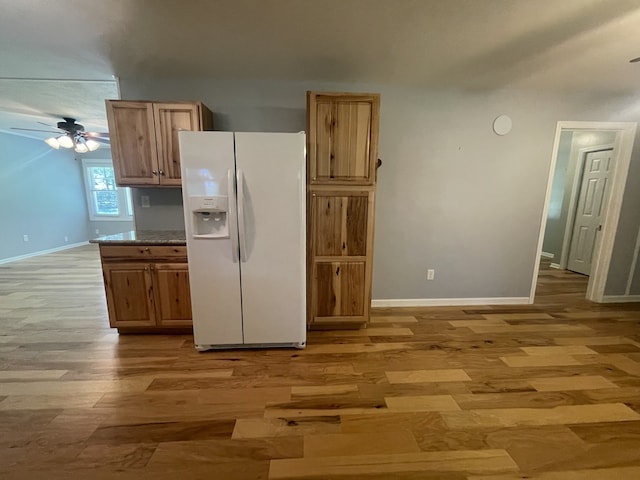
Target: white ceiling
[(29, 103), (471, 44)]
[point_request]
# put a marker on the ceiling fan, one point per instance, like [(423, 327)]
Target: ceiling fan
[(72, 135)]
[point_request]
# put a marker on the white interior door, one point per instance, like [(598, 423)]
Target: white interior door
[(271, 218), (208, 169), (592, 200)]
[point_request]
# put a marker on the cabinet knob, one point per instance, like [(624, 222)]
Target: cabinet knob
[(155, 172), (162, 172), (147, 249)]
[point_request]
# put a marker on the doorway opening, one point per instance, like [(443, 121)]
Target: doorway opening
[(587, 177)]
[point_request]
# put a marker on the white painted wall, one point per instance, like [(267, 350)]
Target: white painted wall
[(452, 195)]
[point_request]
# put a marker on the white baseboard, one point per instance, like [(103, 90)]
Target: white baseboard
[(556, 265), (448, 302), (42, 252), (620, 298), (547, 255)]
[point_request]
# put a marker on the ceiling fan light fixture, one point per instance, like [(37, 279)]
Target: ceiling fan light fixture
[(81, 148), (53, 142), (65, 141), (92, 145)]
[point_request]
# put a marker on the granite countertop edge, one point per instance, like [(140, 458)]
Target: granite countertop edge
[(143, 237)]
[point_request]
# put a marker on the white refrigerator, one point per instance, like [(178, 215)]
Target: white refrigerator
[(244, 208)]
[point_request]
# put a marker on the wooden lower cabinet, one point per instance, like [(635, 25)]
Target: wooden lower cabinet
[(339, 296), (147, 288), (129, 294), (172, 296), (339, 256)]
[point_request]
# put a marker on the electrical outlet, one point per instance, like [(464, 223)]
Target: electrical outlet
[(66, 239), (431, 274), (97, 231), (144, 201), (25, 238)]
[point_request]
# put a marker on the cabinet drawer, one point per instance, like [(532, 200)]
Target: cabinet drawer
[(144, 252)]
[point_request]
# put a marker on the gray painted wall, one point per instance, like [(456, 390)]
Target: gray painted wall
[(635, 280), (41, 195), (627, 233), (554, 230), (565, 171), (164, 211), (452, 195)]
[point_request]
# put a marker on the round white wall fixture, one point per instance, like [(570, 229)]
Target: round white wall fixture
[(502, 125)]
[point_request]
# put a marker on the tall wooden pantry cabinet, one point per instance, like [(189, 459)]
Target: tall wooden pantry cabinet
[(342, 153)]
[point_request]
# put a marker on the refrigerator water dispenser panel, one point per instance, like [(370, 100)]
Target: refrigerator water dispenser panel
[(209, 216)]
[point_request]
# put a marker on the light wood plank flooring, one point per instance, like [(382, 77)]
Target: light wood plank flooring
[(549, 391)]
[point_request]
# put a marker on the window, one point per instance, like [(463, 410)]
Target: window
[(106, 201)]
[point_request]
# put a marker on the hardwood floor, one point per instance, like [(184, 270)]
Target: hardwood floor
[(549, 391)]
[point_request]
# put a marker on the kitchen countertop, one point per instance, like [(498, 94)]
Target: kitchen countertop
[(143, 237)]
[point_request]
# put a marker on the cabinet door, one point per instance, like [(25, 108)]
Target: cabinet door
[(339, 292), (172, 294), (133, 142), (170, 118), (339, 222), (343, 138), (129, 294)]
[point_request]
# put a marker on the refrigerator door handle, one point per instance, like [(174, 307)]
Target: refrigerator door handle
[(232, 216), (241, 226)]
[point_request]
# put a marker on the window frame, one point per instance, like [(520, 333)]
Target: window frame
[(124, 194)]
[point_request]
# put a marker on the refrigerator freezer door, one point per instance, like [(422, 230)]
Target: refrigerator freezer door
[(208, 169), (272, 167)]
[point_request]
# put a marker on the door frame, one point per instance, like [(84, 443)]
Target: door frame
[(601, 260), (576, 187)]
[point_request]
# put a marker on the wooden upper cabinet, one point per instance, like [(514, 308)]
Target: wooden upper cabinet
[(169, 120), (133, 142), (342, 138), (144, 139)]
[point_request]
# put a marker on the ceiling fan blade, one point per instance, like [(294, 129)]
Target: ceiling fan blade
[(97, 134), (101, 140), (35, 130), (46, 124)]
